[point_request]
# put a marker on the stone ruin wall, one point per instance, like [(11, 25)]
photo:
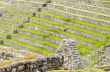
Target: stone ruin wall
[(71, 55), (66, 57), (40, 65)]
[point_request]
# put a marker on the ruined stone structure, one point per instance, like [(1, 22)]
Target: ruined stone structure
[(41, 25), (71, 55), (39, 65), (67, 57), (104, 58)]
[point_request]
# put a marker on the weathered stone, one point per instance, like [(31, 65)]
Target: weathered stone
[(71, 55)]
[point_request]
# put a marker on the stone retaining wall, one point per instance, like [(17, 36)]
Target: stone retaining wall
[(32, 42), (74, 9), (79, 17), (72, 30), (40, 65)]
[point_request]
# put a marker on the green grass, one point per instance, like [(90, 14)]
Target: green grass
[(74, 20), (82, 48), (6, 28), (43, 34), (9, 23), (106, 36), (31, 47), (78, 28), (81, 10), (95, 42), (82, 16), (13, 19), (28, 46), (12, 13), (41, 41), (81, 70)]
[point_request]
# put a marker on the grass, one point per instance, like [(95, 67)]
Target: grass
[(6, 28), (81, 22), (81, 10), (95, 42), (13, 19), (81, 70), (43, 34), (28, 46), (82, 16), (74, 20), (31, 47), (26, 56), (41, 41), (82, 48), (11, 13)]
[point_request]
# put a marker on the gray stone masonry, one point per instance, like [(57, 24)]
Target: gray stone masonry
[(71, 55), (79, 17), (76, 10), (38, 65), (72, 30), (79, 25), (104, 58)]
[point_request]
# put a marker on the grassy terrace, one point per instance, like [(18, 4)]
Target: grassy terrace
[(40, 50), (41, 41), (22, 15), (17, 20), (12, 25), (82, 16), (95, 42), (65, 1), (75, 20), (43, 34), (79, 11), (72, 26), (83, 48), (54, 37), (31, 47)]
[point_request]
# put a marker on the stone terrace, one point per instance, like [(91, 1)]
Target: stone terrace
[(40, 26)]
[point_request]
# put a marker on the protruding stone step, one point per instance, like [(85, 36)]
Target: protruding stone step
[(8, 30), (1, 42), (5, 35)]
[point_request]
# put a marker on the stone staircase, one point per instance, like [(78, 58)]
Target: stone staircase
[(40, 26)]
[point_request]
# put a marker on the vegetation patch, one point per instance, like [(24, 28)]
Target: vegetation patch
[(81, 70), (9, 55)]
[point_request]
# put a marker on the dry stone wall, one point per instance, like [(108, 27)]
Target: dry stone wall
[(40, 65), (71, 55), (104, 58), (67, 57)]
